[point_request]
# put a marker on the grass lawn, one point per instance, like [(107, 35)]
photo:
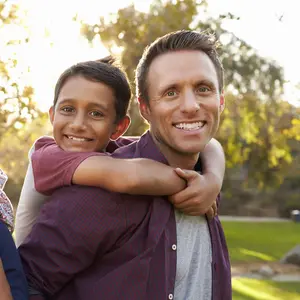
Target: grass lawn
[(249, 241), (252, 289)]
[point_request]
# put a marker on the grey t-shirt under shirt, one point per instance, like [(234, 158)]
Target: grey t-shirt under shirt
[(194, 258)]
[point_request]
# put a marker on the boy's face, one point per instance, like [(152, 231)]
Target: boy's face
[(84, 116)]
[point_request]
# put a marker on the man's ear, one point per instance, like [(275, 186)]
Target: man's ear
[(222, 102), (121, 128), (51, 114), (144, 109)]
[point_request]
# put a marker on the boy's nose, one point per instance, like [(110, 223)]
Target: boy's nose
[(79, 123)]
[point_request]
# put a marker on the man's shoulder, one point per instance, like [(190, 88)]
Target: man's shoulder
[(127, 151)]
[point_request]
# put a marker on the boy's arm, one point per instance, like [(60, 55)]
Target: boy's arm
[(147, 177), (213, 167), (54, 168), (202, 194), (131, 176), (213, 160)]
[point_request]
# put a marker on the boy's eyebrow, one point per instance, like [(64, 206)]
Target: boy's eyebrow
[(70, 100)]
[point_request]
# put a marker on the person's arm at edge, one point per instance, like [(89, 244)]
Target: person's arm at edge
[(5, 293), (12, 265)]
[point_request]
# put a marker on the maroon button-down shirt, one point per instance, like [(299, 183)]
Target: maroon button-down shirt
[(89, 243)]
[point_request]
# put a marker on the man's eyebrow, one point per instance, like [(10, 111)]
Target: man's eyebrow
[(164, 87), (175, 84), (207, 82)]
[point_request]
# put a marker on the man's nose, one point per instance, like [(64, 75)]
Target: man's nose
[(189, 103)]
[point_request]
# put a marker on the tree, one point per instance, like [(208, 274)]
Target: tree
[(20, 120), (16, 104), (254, 85)]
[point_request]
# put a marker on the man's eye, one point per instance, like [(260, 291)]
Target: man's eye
[(96, 114), (203, 89), (67, 109), (171, 93)]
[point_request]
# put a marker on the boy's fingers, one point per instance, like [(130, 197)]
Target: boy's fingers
[(185, 174), (210, 213)]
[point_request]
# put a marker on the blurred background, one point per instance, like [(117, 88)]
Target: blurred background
[(260, 128)]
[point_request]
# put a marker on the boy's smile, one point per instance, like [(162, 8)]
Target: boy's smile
[(84, 116)]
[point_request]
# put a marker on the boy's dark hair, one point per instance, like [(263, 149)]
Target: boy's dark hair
[(105, 71), (176, 41)]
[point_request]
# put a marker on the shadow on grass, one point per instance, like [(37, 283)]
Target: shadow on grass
[(256, 254), (252, 289)]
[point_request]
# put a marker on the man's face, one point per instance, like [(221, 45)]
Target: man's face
[(84, 116), (185, 103)]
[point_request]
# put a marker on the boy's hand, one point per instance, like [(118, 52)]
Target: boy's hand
[(199, 197)]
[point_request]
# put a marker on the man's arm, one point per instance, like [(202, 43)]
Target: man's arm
[(60, 244)]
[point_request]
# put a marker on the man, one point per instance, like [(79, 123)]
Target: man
[(120, 248)]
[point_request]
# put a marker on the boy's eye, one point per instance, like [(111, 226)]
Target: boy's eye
[(67, 109), (96, 114)]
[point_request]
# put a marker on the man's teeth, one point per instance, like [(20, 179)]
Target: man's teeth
[(190, 126), (77, 139)]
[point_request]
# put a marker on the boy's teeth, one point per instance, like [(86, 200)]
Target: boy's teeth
[(190, 126), (77, 139)]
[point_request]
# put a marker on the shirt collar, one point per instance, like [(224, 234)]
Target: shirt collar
[(148, 149)]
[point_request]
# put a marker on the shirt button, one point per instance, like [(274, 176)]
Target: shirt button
[(170, 296), (174, 247)]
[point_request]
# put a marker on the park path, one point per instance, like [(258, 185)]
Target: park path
[(252, 219)]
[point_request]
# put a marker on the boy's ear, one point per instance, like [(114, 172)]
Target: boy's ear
[(51, 114), (121, 128)]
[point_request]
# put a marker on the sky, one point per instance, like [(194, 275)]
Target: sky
[(55, 42)]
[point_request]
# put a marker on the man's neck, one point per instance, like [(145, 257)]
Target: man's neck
[(176, 159)]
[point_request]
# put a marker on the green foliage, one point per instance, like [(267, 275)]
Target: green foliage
[(16, 105), (14, 147), (257, 126), (21, 123)]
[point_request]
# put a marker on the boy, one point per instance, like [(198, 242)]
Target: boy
[(90, 109)]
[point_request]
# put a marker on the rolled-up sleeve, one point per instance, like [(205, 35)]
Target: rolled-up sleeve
[(69, 235), (50, 162)]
